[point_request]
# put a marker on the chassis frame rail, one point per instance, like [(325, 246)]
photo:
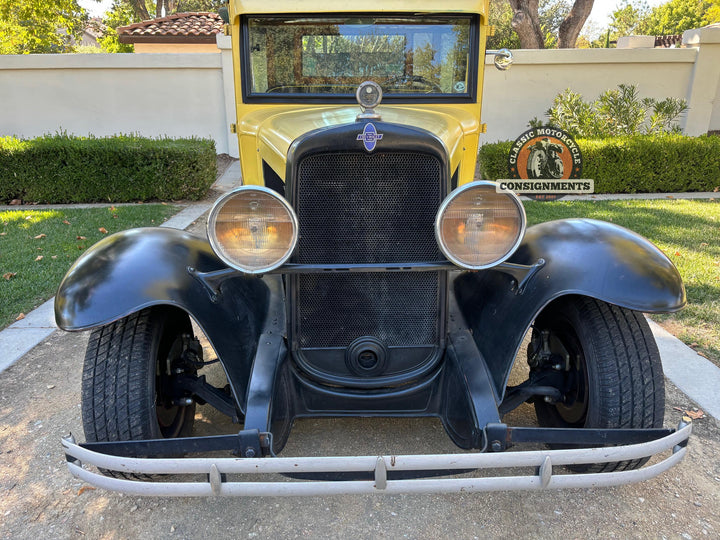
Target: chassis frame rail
[(216, 470)]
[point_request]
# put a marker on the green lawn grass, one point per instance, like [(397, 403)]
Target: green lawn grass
[(688, 231), (38, 246)]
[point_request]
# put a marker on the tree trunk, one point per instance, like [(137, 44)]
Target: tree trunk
[(573, 23), (167, 5), (140, 9), (527, 24)]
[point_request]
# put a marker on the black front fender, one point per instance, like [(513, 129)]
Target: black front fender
[(582, 256), (140, 268)]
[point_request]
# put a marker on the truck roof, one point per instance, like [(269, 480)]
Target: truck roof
[(365, 6)]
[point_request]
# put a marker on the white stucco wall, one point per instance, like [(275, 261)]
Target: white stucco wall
[(511, 98), (192, 94), (704, 86), (162, 48), (178, 95)]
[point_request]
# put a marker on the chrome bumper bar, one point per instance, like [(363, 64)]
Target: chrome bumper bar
[(215, 484)]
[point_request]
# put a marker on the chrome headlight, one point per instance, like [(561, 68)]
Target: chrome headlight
[(477, 228), (253, 229)]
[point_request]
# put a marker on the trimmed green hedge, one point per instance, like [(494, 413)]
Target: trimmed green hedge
[(124, 168), (493, 160), (636, 164)]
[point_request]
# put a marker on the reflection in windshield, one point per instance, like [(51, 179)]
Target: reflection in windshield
[(321, 56)]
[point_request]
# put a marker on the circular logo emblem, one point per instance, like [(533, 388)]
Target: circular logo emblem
[(545, 153)]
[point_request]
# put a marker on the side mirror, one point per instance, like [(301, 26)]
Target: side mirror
[(503, 58)]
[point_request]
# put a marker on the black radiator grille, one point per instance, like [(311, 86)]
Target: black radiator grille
[(397, 308), (368, 208)]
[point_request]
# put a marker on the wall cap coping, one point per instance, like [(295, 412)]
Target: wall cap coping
[(706, 34), (600, 56), (111, 61), (223, 42)]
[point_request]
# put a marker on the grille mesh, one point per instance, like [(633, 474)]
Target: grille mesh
[(368, 208), (399, 309), (376, 208)]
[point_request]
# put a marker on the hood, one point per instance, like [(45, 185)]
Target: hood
[(274, 130)]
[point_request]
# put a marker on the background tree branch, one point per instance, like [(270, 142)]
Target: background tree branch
[(526, 23), (573, 23), (140, 9)]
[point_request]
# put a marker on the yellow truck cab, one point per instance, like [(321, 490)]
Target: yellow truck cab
[(431, 75)]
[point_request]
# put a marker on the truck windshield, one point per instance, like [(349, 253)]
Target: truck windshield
[(332, 55)]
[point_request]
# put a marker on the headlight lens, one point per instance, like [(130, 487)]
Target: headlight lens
[(253, 229), (477, 228)]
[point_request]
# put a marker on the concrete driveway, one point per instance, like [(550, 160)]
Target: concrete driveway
[(39, 402)]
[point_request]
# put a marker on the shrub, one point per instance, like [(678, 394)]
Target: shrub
[(615, 113), (493, 160), (69, 169), (637, 164)]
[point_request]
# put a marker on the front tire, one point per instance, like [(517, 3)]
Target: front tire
[(535, 163), (556, 167), (607, 365), (128, 366)]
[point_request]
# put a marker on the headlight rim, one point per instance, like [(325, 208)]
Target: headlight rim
[(219, 205), (455, 193)]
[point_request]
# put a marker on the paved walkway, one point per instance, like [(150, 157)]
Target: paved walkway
[(631, 196), (696, 376)]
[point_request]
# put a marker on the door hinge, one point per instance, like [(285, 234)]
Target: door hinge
[(490, 30), (483, 128), (233, 128), (227, 30)]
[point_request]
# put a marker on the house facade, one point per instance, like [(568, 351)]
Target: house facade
[(177, 33)]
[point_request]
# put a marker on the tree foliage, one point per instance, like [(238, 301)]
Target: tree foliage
[(149, 9), (676, 16), (635, 17), (199, 5), (40, 26), (713, 14), (120, 14), (501, 16), (628, 19)]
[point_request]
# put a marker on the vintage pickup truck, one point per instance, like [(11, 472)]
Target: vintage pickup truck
[(360, 271)]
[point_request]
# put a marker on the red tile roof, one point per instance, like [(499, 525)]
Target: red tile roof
[(177, 28)]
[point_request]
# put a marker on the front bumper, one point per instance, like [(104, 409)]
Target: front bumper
[(212, 472)]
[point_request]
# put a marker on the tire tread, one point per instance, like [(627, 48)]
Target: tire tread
[(630, 384), (118, 402)]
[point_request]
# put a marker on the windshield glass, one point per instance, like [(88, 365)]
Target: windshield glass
[(311, 56)]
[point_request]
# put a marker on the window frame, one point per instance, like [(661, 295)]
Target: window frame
[(469, 96)]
